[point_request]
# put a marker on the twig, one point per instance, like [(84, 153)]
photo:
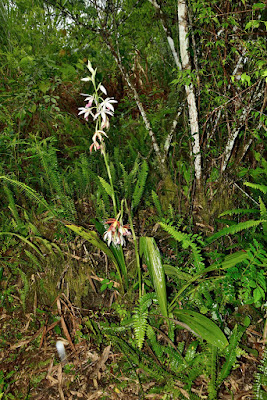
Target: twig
[(246, 194)]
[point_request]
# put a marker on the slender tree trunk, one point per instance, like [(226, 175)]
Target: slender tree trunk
[(184, 64), (232, 138), (191, 99)]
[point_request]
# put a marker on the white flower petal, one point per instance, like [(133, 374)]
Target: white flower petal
[(89, 66), (103, 89)]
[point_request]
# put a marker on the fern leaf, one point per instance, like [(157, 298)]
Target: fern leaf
[(176, 362), (263, 213), (231, 230), (24, 291), (261, 379), (187, 241), (32, 194), (156, 201), (239, 211), (156, 346), (106, 186), (140, 319), (230, 353), (140, 185), (262, 188), (212, 387)]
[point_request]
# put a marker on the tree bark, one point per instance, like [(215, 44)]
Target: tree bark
[(191, 99)]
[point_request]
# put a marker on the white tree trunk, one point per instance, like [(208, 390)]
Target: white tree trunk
[(191, 99), (232, 138)]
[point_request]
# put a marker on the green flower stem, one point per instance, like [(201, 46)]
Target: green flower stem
[(110, 181), (136, 249)]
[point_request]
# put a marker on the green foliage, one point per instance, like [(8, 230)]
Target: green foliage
[(249, 279), (157, 203), (203, 327), (93, 238), (187, 240), (261, 379), (150, 251), (48, 174), (29, 192), (231, 352), (140, 317), (232, 230), (140, 185), (24, 291), (106, 186)]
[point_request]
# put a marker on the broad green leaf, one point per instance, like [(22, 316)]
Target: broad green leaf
[(150, 251), (232, 259), (170, 270), (203, 327), (258, 6), (44, 86)]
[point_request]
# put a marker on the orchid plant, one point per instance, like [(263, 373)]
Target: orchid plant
[(101, 109)]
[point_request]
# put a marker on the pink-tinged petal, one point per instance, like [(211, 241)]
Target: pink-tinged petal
[(105, 124), (103, 133)]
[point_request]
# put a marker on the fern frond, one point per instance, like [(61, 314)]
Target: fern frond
[(156, 346), (35, 262), (231, 230), (140, 360), (140, 185), (106, 186), (187, 240), (212, 387), (262, 188), (239, 211), (24, 291), (156, 201), (31, 193), (263, 213), (140, 319), (175, 361), (261, 379), (12, 205), (230, 353)]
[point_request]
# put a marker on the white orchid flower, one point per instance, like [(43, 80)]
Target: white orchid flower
[(87, 110), (116, 232)]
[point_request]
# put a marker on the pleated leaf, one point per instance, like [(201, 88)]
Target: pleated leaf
[(203, 327), (149, 250)]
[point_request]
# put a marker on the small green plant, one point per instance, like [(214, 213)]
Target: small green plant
[(260, 384), (5, 381)]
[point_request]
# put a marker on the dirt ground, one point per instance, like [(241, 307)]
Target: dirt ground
[(31, 368)]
